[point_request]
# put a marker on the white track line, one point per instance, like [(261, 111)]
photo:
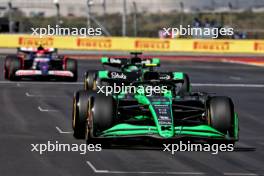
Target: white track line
[(239, 173), (63, 132), (39, 95), (140, 172), (243, 63), (235, 78), (162, 173), (193, 84), (41, 83), (228, 85), (46, 110), (261, 143), (94, 169), (29, 95)]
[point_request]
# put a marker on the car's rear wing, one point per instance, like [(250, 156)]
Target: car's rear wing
[(34, 50), (120, 62), (153, 62), (114, 62)]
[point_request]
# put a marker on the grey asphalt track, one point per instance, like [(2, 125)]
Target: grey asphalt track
[(38, 112)]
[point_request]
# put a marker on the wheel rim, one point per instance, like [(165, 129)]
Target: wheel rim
[(74, 113), (9, 74), (94, 85), (87, 132), (89, 121), (208, 117), (85, 84), (5, 73)]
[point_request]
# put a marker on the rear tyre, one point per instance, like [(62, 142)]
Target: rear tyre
[(90, 80), (80, 113), (186, 87), (71, 65), (221, 114)]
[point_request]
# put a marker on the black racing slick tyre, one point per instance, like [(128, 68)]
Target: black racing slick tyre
[(102, 113), (6, 67), (71, 65), (8, 60), (90, 80), (14, 65), (186, 87), (80, 113), (221, 114)]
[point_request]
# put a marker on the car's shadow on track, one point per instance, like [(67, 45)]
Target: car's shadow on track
[(159, 146), (124, 147), (131, 145), (245, 149)]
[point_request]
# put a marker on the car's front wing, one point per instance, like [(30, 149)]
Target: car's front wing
[(38, 73), (199, 131)]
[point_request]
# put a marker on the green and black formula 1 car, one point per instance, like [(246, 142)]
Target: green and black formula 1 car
[(165, 116), (130, 70)]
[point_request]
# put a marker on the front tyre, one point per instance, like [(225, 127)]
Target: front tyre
[(80, 113), (221, 114), (14, 65), (6, 67), (102, 115), (71, 65)]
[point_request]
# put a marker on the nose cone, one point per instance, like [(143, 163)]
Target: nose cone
[(44, 67)]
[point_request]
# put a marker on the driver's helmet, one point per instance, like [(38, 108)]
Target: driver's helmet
[(132, 68), (40, 53), (136, 60)]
